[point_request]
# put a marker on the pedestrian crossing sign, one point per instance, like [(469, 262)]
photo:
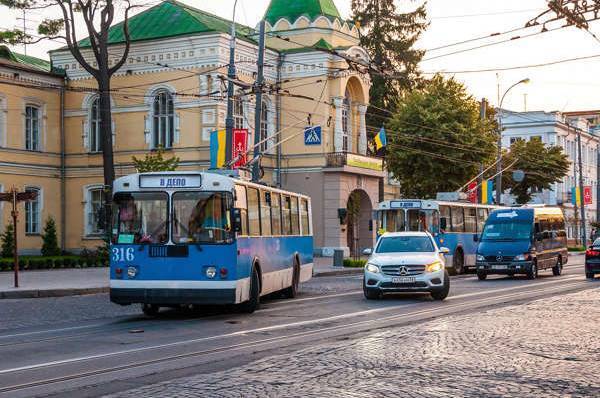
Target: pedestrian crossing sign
[(312, 135)]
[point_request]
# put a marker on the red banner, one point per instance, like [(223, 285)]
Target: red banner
[(240, 147), (587, 195), (473, 192)]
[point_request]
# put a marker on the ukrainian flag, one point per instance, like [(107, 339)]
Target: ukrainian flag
[(487, 192), (575, 196), (217, 149), (380, 139)]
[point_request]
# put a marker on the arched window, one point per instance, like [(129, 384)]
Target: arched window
[(163, 120), (346, 121), (238, 113), (32, 128), (95, 134), (264, 127)]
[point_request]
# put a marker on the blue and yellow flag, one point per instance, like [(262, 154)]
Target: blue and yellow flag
[(217, 149), (575, 196), (487, 192), (380, 139)]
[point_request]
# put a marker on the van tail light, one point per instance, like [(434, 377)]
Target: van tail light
[(592, 253)]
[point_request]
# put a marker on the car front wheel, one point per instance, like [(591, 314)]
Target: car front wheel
[(371, 294), (442, 294)]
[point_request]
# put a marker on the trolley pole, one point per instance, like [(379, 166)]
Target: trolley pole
[(258, 89)]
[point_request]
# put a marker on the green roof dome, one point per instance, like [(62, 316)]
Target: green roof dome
[(294, 9)]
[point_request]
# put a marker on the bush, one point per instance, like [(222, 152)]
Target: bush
[(8, 242), (50, 245), (576, 249), (348, 262)]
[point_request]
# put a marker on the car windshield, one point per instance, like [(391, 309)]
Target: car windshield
[(506, 231), (405, 244), (140, 217), (202, 217)]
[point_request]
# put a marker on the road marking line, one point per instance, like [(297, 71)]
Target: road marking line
[(257, 330)]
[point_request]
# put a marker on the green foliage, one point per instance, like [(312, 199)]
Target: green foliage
[(8, 242), (349, 263), (85, 260), (155, 162), (436, 139), (50, 241), (543, 166), (576, 249), (389, 38)]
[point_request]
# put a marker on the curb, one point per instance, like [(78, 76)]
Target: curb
[(52, 293), (342, 271)]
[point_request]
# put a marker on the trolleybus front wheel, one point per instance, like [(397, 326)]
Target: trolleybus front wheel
[(254, 302), (150, 309)]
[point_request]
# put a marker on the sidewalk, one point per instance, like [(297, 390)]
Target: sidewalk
[(74, 282)]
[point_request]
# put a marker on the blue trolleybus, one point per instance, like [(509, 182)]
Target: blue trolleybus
[(186, 238), (454, 225)]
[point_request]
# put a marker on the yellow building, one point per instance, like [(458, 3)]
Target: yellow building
[(171, 92)]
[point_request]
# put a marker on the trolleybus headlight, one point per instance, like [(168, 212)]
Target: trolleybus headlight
[(211, 272), (372, 268), (434, 267), (480, 257), (132, 272)]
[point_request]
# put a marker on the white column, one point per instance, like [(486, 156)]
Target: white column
[(362, 130), (338, 143)]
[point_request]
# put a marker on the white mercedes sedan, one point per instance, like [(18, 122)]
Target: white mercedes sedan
[(406, 262)]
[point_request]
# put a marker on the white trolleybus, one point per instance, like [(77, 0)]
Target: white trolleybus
[(204, 238)]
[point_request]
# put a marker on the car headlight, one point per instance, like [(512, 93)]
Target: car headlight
[(434, 267), (372, 268), (211, 272), (480, 257)]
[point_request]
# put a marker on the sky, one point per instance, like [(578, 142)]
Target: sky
[(562, 87)]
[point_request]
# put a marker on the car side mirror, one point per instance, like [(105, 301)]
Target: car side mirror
[(443, 223), (444, 250), (367, 252), (237, 220)]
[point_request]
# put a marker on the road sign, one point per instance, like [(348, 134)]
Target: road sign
[(587, 195), (312, 135)]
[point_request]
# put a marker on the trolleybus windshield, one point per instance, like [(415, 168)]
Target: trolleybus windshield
[(202, 217), (140, 217)]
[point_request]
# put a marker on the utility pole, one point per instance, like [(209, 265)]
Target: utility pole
[(482, 115), (258, 89), (499, 163), (574, 200), (597, 183), (583, 226), (230, 88)]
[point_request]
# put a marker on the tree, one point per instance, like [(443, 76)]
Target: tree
[(155, 162), (8, 242), (389, 38), (50, 241), (437, 139), (543, 166), (97, 16)]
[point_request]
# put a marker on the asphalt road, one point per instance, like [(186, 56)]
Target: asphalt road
[(85, 346)]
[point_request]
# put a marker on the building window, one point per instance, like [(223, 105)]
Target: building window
[(32, 128), (264, 127), (163, 119), (33, 214), (95, 135), (346, 122), (238, 113), (515, 139), (93, 208)]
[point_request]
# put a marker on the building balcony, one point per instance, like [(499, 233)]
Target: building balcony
[(351, 162)]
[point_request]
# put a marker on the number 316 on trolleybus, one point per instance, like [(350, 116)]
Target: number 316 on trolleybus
[(186, 238)]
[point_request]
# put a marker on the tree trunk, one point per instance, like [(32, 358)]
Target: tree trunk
[(107, 146)]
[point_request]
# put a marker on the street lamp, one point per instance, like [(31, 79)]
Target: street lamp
[(499, 161)]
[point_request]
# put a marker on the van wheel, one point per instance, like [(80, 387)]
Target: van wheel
[(589, 275), (532, 273), (557, 269), (292, 291), (481, 275), (458, 263), (442, 294), (150, 309), (254, 302)]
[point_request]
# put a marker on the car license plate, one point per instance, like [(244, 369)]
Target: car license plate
[(404, 279), (500, 267)]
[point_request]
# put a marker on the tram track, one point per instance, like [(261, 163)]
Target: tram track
[(345, 328)]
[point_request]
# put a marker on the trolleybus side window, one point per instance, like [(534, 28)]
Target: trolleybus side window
[(470, 219), (253, 212), (276, 213), (304, 217), (295, 216), (240, 196), (265, 212), (445, 220), (286, 220), (482, 215), (140, 217), (202, 217), (458, 221)]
